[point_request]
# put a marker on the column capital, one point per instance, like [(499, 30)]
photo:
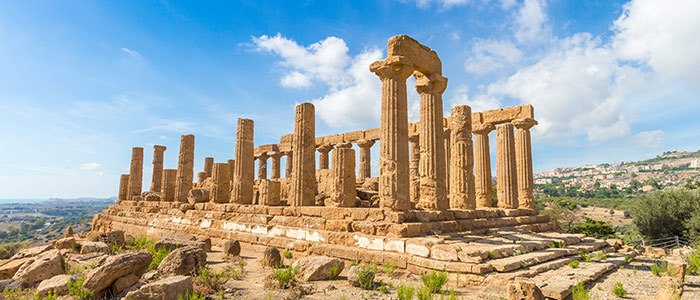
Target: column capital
[(396, 67), (324, 148), (483, 128), (343, 145), (430, 84), (365, 143), (274, 154), (288, 152), (159, 147), (262, 156), (525, 123)]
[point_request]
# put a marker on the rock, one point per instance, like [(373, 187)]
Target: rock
[(271, 258), (65, 243), (151, 196), (58, 284), (675, 268), (183, 261), (353, 277), (669, 288), (68, 232), (116, 267), (9, 269), (164, 289), (520, 289), (91, 247), (313, 268), (150, 275), (115, 237), (124, 282), (615, 244), (198, 196), (232, 248), (654, 252), (34, 251), (206, 241), (9, 284), (41, 267)]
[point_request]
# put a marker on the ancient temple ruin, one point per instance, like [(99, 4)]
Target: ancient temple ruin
[(428, 209)]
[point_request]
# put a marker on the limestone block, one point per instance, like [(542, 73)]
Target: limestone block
[(116, 267), (167, 288), (39, 268), (242, 190), (520, 289), (314, 268), (421, 57), (57, 285), (271, 258), (269, 192), (198, 196), (183, 261), (343, 191)]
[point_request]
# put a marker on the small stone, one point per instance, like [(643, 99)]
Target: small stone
[(271, 258), (232, 248)]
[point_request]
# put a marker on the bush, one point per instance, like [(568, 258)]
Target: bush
[(287, 254), (192, 296), (594, 228), (285, 277), (659, 269), (694, 261), (424, 293), (434, 281), (75, 289), (574, 263), (580, 292), (7, 250), (405, 292), (619, 290), (670, 212), (209, 282), (389, 268), (365, 276)]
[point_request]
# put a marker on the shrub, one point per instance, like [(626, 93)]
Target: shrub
[(287, 254), (580, 292), (7, 250), (424, 293), (405, 292), (434, 281), (208, 281), (334, 271), (492, 254), (383, 288), (669, 212), (574, 263), (598, 256), (365, 276), (75, 289), (191, 296), (558, 244), (285, 277), (594, 228), (158, 256), (659, 269), (619, 290), (694, 262), (389, 268)]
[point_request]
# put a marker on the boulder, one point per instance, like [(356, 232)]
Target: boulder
[(68, 243), (271, 258), (116, 267), (198, 196), (68, 232), (58, 284), (151, 196), (353, 277), (206, 241), (669, 288), (115, 237), (520, 289), (654, 252), (9, 268), (164, 289), (41, 267), (34, 251), (92, 247), (675, 267), (232, 248), (124, 282), (9, 284), (183, 261), (313, 268)]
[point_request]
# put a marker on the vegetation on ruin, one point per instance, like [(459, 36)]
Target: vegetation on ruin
[(192, 296), (580, 292), (285, 277), (434, 281), (574, 263), (619, 290), (75, 289), (405, 292), (389, 269), (594, 228), (659, 269), (365, 276)]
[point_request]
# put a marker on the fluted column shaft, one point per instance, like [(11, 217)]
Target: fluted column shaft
[(303, 183), (323, 156), (448, 156), (414, 174), (242, 190), (288, 163), (135, 173), (432, 142), (506, 180), (157, 175), (123, 186), (262, 166), (169, 182), (462, 194), (275, 165), (185, 168), (365, 159), (343, 193), (393, 150), (482, 165), (523, 158), (220, 190), (208, 166)]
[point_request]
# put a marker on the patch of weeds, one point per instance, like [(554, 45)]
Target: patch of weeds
[(574, 263), (287, 254), (405, 292), (192, 296), (389, 268), (580, 292), (434, 281), (334, 271), (235, 272), (628, 259), (598, 256), (75, 289), (383, 288), (51, 295), (492, 254), (516, 253), (558, 244), (365, 276), (452, 295), (694, 263), (424, 293), (659, 269), (285, 277), (158, 256), (619, 290), (115, 249), (209, 282)]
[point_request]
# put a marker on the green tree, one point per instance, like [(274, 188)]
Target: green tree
[(667, 213)]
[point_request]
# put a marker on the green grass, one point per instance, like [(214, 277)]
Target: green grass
[(389, 268), (619, 290), (405, 292), (574, 263), (659, 269), (75, 289), (192, 296), (424, 293), (365, 276), (434, 281), (285, 277), (580, 292)]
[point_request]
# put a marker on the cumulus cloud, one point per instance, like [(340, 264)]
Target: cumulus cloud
[(492, 55), (295, 80), (650, 139), (531, 21)]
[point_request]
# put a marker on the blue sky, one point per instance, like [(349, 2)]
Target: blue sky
[(81, 82)]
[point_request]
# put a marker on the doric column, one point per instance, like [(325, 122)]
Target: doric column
[(168, 190), (157, 176), (276, 156), (208, 166), (242, 190), (462, 195), (506, 180), (413, 166), (432, 142), (523, 159), (262, 165), (220, 189), (448, 155), (123, 186), (201, 176), (303, 183), (343, 193), (482, 164), (135, 173), (323, 156), (231, 167), (288, 163), (269, 192), (393, 150), (365, 160), (185, 168)]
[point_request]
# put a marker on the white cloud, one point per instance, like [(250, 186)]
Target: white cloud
[(492, 55), (508, 4), (531, 22), (131, 53), (92, 166), (460, 96), (443, 4), (295, 80), (650, 139)]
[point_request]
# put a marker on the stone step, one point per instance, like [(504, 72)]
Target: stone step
[(525, 260)]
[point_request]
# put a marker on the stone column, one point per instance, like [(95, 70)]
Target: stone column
[(269, 192), (208, 166), (220, 189), (157, 176), (413, 166), (262, 166), (506, 180), (231, 167), (343, 193), (123, 186), (462, 194), (288, 164), (242, 190), (432, 142), (448, 155), (201, 176), (185, 168), (523, 159), (323, 156), (135, 174), (276, 156), (169, 179), (393, 150), (303, 183), (482, 164), (365, 160)]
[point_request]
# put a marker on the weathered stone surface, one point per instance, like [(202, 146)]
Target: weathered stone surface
[(150, 196), (68, 232), (164, 289), (242, 189), (523, 159), (482, 165), (198, 196), (271, 258), (135, 173), (524, 290), (353, 277), (303, 183), (115, 267), (208, 166), (432, 142), (65, 243), (157, 174), (90, 247), (57, 284), (262, 165), (313, 268), (114, 237), (232, 248), (168, 186), (343, 192), (270, 192), (506, 181), (124, 283), (123, 187), (183, 261), (676, 268), (669, 288), (323, 151), (185, 168), (462, 193), (275, 163), (9, 268), (221, 188), (365, 158), (41, 267)]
